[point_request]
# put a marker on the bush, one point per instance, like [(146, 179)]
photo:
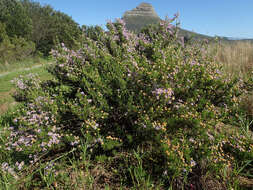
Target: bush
[(15, 49), (122, 92), (23, 48), (6, 51), (16, 19)]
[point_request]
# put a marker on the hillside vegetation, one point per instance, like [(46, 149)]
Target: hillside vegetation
[(128, 111), (118, 109), (7, 88), (28, 29)]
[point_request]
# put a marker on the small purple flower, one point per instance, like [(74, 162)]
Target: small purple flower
[(193, 63), (49, 168), (7, 168), (74, 143), (193, 163), (161, 91), (20, 165)]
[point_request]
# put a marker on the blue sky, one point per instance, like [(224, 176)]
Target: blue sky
[(231, 18)]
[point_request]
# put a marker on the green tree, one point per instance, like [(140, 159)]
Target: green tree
[(3, 34), (15, 17), (51, 27)]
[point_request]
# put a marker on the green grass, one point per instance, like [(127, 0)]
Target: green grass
[(7, 88), (27, 63)]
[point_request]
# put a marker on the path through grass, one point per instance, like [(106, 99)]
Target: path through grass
[(7, 88), (19, 65)]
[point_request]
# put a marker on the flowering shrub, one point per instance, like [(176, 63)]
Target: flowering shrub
[(25, 86), (149, 92)]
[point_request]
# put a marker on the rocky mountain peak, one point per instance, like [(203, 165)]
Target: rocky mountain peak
[(144, 9)]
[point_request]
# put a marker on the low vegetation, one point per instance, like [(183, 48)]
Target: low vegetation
[(7, 87), (128, 111), (25, 64), (237, 60)]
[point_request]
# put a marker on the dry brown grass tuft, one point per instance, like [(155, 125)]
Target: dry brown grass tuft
[(237, 57), (245, 182), (210, 183), (6, 101), (247, 103)]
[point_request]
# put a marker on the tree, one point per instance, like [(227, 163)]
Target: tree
[(50, 27), (15, 17)]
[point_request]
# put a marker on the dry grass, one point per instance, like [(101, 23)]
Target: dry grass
[(247, 103), (237, 57), (6, 100)]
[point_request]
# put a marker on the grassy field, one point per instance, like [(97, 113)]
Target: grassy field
[(237, 57), (28, 63), (7, 74)]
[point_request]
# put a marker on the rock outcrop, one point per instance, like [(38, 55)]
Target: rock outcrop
[(141, 16), (144, 9)]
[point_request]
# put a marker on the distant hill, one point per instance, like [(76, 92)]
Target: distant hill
[(194, 35), (144, 15)]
